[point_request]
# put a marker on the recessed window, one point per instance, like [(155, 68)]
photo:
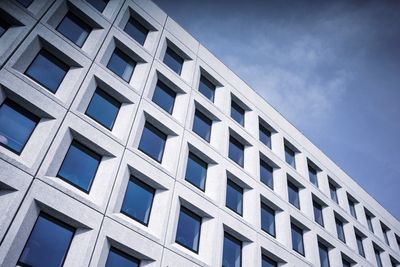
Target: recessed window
[(293, 194), (268, 262), (164, 97), (369, 222), (234, 197), (4, 26), (136, 30), (79, 166), (360, 245), (312, 173), (47, 70), (297, 239), (196, 171), (290, 156), (207, 88), (318, 216), (16, 126), (323, 255), (173, 60), (103, 108), (25, 3), (237, 113), (378, 259), (121, 64), (188, 231), (138, 201), (47, 244), (352, 207), (117, 258), (264, 135), (266, 174), (346, 263), (202, 125), (340, 230), (236, 151), (100, 5), (268, 219), (232, 254), (385, 231), (152, 142), (333, 193), (74, 29)]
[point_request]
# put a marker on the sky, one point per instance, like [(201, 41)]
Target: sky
[(332, 68)]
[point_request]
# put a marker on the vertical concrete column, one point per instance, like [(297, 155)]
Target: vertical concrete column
[(301, 165), (335, 258), (283, 234), (278, 145), (306, 203), (280, 183), (329, 220), (311, 247)]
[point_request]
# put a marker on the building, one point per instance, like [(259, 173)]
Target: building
[(126, 142)]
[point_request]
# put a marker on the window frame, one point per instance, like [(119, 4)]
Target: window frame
[(195, 217), (239, 110), (81, 23), (300, 232), (125, 57), (237, 188), (201, 116), (175, 56), (272, 212), (197, 158), (235, 142), (158, 133), (295, 189), (134, 24), (201, 81), (160, 85), (341, 235), (317, 207), (237, 242), (122, 254)]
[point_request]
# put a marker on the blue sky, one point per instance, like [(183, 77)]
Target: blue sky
[(332, 68)]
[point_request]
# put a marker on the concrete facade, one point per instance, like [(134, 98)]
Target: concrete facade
[(28, 182)]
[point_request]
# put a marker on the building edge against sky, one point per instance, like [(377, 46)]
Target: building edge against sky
[(129, 88)]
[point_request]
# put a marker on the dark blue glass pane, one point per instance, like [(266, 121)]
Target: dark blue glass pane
[(48, 243), (3, 27), (297, 239), (265, 136), (340, 230), (360, 245), (188, 231), (121, 64), (267, 262), (16, 126), (266, 174), (290, 157), (74, 29), (318, 214), (207, 88), (100, 5), (164, 97), (267, 219), (369, 222), (136, 30), (232, 254), (377, 257), (234, 197), (333, 192), (202, 125), (237, 113), (25, 3), (196, 171), (352, 209), (103, 108), (138, 201), (313, 176), (236, 151), (79, 166), (293, 193), (152, 142), (47, 70), (323, 255), (346, 263), (118, 258), (173, 60)]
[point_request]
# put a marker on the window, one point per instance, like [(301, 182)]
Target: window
[(25, 3), (152, 142), (136, 30), (340, 230), (333, 193), (100, 5), (360, 245), (312, 172), (346, 263), (188, 231), (237, 113), (268, 262), (234, 197), (121, 64), (290, 157), (266, 174), (103, 108), (323, 255), (293, 192), (74, 29), (79, 166), (202, 125), (207, 88), (267, 219), (196, 171), (236, 151), (264, 135), (47, 244), (117, 258), (385, 231), (173, 60), (164, 97), (397, 240), (318, 216), (232, 254), (394, 262), (352, 208), (369, 221), (297, 239), (16, 126), (138, 200), (47, 70), (377, 253), (4, 26)]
